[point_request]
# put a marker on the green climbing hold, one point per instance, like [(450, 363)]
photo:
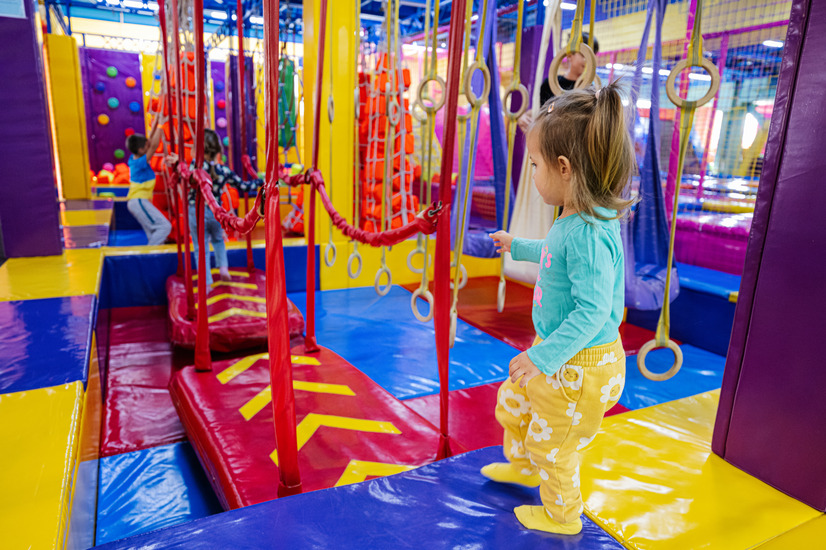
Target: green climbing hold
[(119, 154), (111, 72)]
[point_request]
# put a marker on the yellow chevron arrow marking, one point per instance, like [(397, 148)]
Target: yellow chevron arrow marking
[(243, 364), (313, 421), (231, 284), (263, 398), (233, 311), (358, 470), (240, 366), (235, 273), (218, 297)]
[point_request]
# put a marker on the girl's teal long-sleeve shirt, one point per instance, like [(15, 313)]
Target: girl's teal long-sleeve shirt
[(579, 296)]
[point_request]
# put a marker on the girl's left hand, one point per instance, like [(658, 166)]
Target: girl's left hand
[(522, 366)]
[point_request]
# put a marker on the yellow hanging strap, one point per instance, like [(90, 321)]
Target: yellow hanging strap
[(687, 108), (476, 102), (430, 75), (330, 250), (512, 117), (575, 44), (354, 262)]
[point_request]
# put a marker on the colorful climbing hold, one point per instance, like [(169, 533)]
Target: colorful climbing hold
[(108, 166), (221, 104), (221, 122), (112, 72), (219, 86), (119, 154), (135, 106), (128, 132), (131, 82), (103, 120), (113, 102), (226, 141), (100, 86)]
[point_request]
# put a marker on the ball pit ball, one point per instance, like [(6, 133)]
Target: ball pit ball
[(103, 120), (113, 103), (226, 141), (221, 104), (134, 106), (111, 72), (219, 86), (108, 166), (131, 82), (128, 132), (221, 122), (119, 154), (100, 87)]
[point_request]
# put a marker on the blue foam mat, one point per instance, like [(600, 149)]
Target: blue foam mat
[(701, 371), (127, 237), (379, 336), (146, 490), (447, 504), (707, 280), (45, 342)]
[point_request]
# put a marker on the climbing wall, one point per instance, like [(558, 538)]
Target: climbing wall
[(114, 106)]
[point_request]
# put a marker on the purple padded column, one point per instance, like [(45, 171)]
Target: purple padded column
[(28, 194), (771, 421)]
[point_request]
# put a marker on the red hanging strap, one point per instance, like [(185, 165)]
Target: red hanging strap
[(242, 116)]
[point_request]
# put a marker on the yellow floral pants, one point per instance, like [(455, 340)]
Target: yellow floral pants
[(548, 422)]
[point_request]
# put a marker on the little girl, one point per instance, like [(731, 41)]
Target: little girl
[(558, 391), (221, 176)]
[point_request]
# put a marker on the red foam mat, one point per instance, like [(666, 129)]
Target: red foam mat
[(236, 311), (236, 452), (472, 422), (514, 326), (138, 411)]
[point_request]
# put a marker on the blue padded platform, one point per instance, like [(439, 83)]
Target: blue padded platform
[(379, 336), (707, 280), (701, 371), (150, 489), (447, 504), (127, 237), (45, 342)]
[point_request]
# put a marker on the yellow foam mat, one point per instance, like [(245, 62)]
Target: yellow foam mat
[(811, 534), (86, 217), (650, 479), (74, 273), (39, 433)]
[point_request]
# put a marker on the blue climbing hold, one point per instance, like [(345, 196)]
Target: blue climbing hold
[(219, 86), (134, 106), (100, 86)]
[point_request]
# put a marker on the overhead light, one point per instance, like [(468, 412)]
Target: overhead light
[(444, 44), (648, 70), (750, 126), (699, 76), (763, 102), (152, 6), (136, 4), (566, 6), (644, 103), (664, 72), (218, 15), (256, 20), (773, 43)]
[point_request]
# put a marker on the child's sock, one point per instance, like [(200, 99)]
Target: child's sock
[(504, 472), (536, 517)]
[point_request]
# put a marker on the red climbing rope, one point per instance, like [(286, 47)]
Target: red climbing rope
[(441, 279), (242, 117)]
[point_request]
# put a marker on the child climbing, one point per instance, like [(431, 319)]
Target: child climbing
[(552, 405), (142, 186)]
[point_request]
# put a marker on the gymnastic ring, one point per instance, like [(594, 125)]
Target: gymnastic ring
[(428, 296), (584, 80), (417, 114), (394, 112), (354, 256), (653, 344), (523, 91), (684, 64), (383, 290), (474, 100), (420, 94), (331, 108), (262, 204), (500, 295), (330, 254), (357, 102), (453, 316), (462, 276), (410, 257)]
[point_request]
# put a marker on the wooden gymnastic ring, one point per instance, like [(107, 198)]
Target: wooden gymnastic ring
[(523, 91), (462, 276), (675, 367), (355, 256), (500, 295), (394, 112), (330, 254), (331, 108), (420, 94), (584, 80), (383, 290), (453, 317), (684, 64), (262, 203), (412, 255), (474, 100), (428, 296)]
